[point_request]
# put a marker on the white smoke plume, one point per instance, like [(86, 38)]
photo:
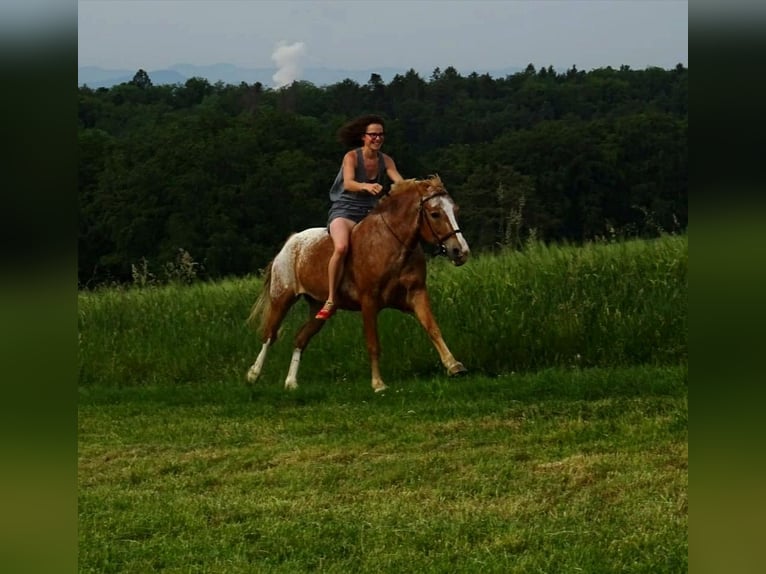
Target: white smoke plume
[(287, 57)]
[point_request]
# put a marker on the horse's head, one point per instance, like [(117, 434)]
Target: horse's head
[(437, 213)]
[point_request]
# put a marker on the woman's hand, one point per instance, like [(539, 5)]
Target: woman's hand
[(373, 188)]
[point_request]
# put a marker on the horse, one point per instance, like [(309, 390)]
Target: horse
[(385, 268)]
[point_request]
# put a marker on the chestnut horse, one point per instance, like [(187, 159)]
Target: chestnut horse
[(385, 268)]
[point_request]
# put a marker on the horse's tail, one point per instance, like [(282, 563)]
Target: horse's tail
[(262, 303)]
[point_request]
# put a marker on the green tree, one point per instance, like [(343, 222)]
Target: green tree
[(226, 172), (141, 80)]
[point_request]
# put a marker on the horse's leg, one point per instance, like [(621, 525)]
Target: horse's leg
[(422, 308), (255, 369), (370, 321), (275, 315), (307, 331)]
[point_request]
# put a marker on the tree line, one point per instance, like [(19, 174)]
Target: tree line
[(220, 174)]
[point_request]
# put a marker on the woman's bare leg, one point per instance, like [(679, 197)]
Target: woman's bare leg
[(340, 232)]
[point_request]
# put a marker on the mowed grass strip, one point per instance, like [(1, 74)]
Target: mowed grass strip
[(564, 470)]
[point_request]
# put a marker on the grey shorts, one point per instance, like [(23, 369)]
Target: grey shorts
[(355, 211)]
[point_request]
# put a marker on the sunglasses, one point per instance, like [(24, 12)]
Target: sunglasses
[(375, 135)]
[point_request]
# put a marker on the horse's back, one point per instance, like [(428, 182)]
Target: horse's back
[(300, 267)]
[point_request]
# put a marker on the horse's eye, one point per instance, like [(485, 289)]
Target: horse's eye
[(435, 215)]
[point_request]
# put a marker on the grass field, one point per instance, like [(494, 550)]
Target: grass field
[(565, 449)]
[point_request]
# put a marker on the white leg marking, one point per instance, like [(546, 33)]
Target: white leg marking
[(291, 382), (378, 385), (255, 370)]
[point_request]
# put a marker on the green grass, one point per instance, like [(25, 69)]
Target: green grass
[(565, 448), (599, 305), (560, 471)]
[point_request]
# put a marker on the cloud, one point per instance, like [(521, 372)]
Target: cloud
[(287, 57)]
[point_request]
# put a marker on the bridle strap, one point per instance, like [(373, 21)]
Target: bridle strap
[(440, 240), (383, 219)]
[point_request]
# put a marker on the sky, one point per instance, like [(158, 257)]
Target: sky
[(470, 35)]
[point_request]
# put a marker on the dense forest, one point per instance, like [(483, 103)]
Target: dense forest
[(220, 174)]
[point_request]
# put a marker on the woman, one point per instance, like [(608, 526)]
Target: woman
[(356, 190)]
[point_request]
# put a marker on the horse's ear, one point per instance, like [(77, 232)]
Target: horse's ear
[(432, 185)]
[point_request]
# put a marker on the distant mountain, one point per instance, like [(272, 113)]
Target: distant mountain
[(95, 77), (100, 78)]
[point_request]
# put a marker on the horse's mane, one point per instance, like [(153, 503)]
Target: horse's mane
[(406, 184), (402, 189)]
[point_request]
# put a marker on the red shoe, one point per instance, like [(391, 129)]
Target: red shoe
[(327, 311)]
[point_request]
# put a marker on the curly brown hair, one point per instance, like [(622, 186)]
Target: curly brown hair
[(351, 133)]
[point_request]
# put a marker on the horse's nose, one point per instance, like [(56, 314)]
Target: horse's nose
[(458, 256)]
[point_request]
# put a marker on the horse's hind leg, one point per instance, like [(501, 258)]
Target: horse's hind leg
[(307, 331), (422, 308), (255, 369), (275, 315)]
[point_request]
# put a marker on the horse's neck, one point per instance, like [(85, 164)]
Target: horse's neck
[(398, 219)]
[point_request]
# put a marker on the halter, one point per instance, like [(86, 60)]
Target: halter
[(442, 249), (440, 240)]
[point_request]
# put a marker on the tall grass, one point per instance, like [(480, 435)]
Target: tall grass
[(601, 304), (547, 306), (182, 468)]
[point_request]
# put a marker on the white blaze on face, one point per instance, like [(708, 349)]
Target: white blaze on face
[(448, 208)]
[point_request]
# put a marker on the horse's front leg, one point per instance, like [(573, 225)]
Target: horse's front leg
[(422, 309), (370, 321)]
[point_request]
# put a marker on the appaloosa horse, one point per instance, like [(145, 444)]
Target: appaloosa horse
[(385, 268)]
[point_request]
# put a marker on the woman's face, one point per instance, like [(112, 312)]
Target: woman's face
[(374, 135)]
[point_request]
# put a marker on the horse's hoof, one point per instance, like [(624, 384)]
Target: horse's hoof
[(291, 385), (456, 370), (380, 389)]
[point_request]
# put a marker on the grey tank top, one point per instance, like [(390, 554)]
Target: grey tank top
[(336, 191)]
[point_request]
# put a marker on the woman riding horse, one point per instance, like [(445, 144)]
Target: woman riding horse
[(356, 190), (386, 268)]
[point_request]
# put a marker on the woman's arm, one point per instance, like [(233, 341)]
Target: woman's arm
[(393, 173), (349, 175)]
